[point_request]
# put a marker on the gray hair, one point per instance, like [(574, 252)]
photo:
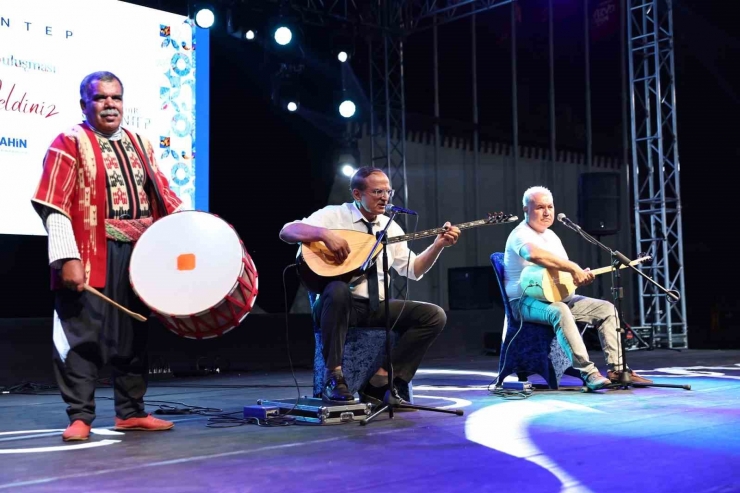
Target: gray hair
[(531, 192), (95, 77)]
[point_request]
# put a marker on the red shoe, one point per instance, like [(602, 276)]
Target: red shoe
[(76, 432), (150, 423)]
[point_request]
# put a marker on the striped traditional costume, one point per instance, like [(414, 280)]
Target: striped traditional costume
[(96, 196), (84, 179)]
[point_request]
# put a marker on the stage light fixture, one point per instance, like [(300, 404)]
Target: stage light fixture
[(347, 108), (242, 22), (283, 35), (343, 44), (286, 88), (347, 156), (204, 17)]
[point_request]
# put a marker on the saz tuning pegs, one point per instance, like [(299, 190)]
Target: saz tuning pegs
[(499, 217), (495, 217)]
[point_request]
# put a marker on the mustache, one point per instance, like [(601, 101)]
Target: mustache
[(109, 112)]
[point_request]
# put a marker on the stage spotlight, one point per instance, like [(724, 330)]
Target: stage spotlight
[(347, 108), (286, 89), (343, 44), (204, 17), (348, 170), (283, 35), (242, 22), (347, 156)]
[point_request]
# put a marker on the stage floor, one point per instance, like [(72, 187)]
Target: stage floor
[(651, 439)]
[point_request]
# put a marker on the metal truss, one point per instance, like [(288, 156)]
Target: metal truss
[(389, 22), (415, 15), (387, 115), (388, 108), (327, 12), (655, 167), (424, 14)]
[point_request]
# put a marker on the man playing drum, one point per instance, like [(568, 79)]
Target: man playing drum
[(99, 190)]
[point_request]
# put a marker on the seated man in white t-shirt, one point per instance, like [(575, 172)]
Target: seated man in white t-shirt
[(361, 302), (531, 242)]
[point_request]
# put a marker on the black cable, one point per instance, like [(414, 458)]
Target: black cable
[(507, 392), (27, 388), (226, 386), (168, 407), (406, 291), (288, 419), (511, 394), (30, 388), (228, 420), (217, 418)]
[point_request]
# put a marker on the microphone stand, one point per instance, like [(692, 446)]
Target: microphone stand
[(391, 399), (625, 378)]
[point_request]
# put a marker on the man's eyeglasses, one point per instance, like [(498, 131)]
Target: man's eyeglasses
[(377, 193)]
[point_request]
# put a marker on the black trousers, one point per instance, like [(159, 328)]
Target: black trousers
[(94, 333), (337, 310)]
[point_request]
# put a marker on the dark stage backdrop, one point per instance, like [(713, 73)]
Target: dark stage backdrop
[(268, 168)]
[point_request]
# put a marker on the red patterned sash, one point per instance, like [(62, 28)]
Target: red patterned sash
[(126, 230)]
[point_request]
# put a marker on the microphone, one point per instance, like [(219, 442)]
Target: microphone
[(563, 219), (400, 210)]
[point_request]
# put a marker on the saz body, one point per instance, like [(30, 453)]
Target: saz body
[(553, 285), (317, 266)]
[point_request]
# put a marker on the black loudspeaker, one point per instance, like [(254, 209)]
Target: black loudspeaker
[(471, 288), (599, 202)]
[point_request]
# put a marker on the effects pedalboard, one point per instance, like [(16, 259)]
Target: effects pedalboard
[(261, 412), (519, 386)]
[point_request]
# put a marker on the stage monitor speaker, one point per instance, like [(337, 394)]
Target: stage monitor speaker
[(471, 288), (599, 202)]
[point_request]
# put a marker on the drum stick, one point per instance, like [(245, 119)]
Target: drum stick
[(90, 289)]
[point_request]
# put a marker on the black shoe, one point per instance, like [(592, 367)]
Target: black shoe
[(372, 394), (377, 395), (336, 390)]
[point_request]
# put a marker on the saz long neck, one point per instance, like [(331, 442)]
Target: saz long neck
[(434, 232)]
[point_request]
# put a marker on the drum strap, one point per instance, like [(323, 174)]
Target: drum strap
[(141, 151)]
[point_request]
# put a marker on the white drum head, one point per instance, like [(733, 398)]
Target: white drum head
[(186, 263)]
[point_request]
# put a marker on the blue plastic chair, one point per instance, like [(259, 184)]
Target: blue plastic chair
[(364, 350), (534, 350)]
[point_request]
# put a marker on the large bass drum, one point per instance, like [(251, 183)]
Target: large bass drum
[(192, 269)]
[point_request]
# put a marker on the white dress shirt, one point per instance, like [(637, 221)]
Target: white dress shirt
[(348, 216)]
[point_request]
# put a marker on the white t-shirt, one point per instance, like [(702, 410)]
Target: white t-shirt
[(348, 216), (514, 263)]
